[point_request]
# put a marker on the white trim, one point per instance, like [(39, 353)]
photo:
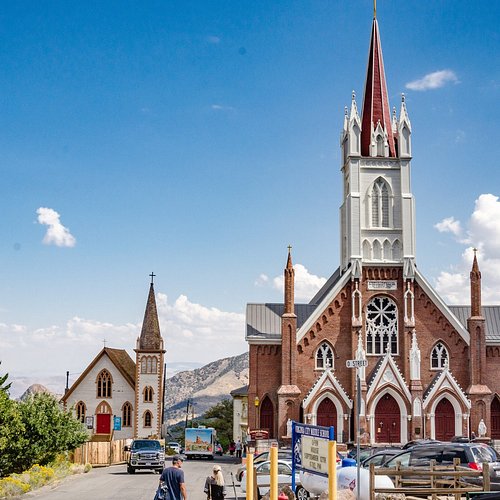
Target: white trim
[(402, 411), (327, 375), (444, 376), (388, 362), (438, 301), (322, 306), (339, 427)]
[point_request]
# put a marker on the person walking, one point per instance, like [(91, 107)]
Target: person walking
[(172, 485), (215, 488), (238, 448)]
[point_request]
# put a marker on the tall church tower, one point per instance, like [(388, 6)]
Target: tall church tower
[(377, 214), (149, 373)]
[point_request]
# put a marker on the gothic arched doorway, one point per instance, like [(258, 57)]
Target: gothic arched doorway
[(267, 416), (327, 414), (445, 420), (495, 418), (387, 420)]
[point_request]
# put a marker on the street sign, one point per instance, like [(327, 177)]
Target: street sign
[(356, 363)]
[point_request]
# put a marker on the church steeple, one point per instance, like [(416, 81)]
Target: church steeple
[(150, 334), (377, 138), (475, 288), (289, 284)]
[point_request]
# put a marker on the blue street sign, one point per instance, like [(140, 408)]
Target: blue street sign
[(117, 423)]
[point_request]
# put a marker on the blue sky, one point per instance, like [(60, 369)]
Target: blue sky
[(198, 139)]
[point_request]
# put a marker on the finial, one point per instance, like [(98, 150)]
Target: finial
[(403, 97), (394, 111), (475, 251), (152, 277), (104, 342), (353, 95), (345, 110), (374, 9), (289, 248)]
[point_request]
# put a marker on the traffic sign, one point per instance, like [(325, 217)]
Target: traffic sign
[(356, 363)]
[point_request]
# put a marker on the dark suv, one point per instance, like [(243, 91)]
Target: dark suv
[(145, 454), (471, 455)]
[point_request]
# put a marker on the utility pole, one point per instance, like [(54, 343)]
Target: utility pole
[(163, 400), (187, 414)]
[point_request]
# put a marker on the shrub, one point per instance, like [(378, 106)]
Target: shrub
[(12, 487)]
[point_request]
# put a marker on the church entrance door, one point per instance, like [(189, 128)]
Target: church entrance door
[(267, 416), (445, 420), (103, 425), (495, 418), (387, 420), (327, 414)]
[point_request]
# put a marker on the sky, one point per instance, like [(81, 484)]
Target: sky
[(197, 140)]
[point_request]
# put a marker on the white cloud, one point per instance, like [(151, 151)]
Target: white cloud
[(306, 284), (262, 280), (483, 233), (213, 39), (221, 107), (56, 233), (449, 225), (193, 333), (433, 80)]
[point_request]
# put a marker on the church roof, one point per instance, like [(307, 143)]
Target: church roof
[(150, 338), (119, 357), (240, 391), (491, 315), (264, 320), (375, 102)]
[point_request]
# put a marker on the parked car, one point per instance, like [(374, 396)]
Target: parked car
[(472, 455), (176, 447), (419, 442), (378, 459), (218, 449), (145, 454), (365, 453), (263, 472), (263, 457)]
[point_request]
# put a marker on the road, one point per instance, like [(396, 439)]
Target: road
[(109, 483)]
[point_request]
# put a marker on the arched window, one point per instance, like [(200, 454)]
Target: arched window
[(104, 384), (148, 418), (80, 411), (324, 356), (439, 356), (387, 250), (367, 250), (380, 146), (381, 326), (380, 204), (377, 250), (148, 365), (127, 414), (143, 365), (396, 250), (148, 394), (154, 365)]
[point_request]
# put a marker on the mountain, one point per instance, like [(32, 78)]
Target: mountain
[(204, 387), (36, 389)]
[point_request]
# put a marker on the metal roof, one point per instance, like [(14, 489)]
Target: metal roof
[(264, 320), (491, 315)]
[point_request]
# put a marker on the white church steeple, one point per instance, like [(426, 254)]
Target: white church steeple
[(378, 211)]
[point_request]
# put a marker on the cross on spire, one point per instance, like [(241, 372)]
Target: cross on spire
[(374, 9), (289, 248), (152, 277), (104, 342)]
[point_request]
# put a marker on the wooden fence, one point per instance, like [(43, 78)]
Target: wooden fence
[(101, 453), (433, 481)]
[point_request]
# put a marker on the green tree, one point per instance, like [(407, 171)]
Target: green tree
[(12, 440), (4, 387), (220, 417), (48, 429)]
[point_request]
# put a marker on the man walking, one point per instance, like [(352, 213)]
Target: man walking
[(172, 479), (238, 449)]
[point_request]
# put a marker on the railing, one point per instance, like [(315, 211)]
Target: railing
[(431, 482)]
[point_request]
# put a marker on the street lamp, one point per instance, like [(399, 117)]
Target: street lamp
[(256, 402)]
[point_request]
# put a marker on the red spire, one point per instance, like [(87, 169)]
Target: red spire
[(475, 288), (289, 284), (375, 102)]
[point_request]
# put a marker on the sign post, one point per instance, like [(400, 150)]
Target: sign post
[(357, 363)]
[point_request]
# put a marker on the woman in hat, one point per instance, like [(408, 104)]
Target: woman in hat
[(214, 485)]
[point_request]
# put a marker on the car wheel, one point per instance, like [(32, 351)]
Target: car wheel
[(130, 469), (301, 493)]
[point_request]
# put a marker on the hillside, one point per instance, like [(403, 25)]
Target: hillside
[(204, 386)]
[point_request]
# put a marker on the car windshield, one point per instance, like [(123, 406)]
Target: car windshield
[(484, 454), (146, 445)]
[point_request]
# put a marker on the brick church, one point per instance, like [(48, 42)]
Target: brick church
[(431, 367)]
